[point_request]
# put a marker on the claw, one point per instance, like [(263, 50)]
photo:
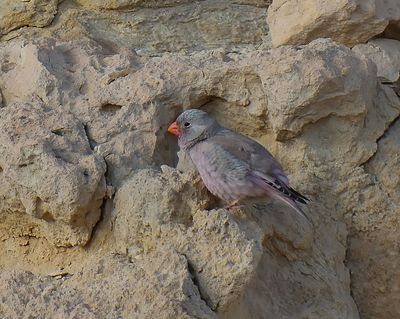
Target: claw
[(233, 204)]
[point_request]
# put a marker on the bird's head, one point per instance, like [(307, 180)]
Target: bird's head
[(193, 126)]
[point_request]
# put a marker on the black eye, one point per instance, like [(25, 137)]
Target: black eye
[(187, 124)]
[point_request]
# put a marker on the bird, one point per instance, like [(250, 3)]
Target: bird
[(232, 166)]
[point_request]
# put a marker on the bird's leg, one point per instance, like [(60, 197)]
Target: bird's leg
[(232, 204)]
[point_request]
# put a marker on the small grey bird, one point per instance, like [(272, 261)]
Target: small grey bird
[(232, 166)]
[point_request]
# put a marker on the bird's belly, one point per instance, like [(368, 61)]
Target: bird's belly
[(215, 184)]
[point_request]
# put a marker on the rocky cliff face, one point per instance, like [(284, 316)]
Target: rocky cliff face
[(101, 219)]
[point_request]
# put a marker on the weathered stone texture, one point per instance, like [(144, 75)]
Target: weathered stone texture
[(101, 219)]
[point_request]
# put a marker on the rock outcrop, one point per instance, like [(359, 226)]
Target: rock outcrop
[(346, 21), (101, 219), (17, 14), (385, 53), (52, 182)]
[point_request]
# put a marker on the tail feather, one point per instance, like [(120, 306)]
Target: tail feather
[(278, 189), (290, 202)]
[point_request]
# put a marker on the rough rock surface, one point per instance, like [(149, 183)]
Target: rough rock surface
[(385, 53), (346, 21), (151, 27), (228, 253), (51, 180), (108, 287), (390, 9), (376, 282), (34, 13), (221, 254), (307, 84), (96, 221)]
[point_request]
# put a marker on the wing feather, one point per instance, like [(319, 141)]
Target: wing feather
[(249, 151), (262, 165)]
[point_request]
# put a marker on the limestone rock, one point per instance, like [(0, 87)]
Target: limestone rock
[(159, 286), (390, 9), (346, 21), (307, 84), (97, 89), (385, 53), (126, 4), (374, 233), (125, 116), (385, 158), (153, 27), (34, 13), (230, 254), (51, 180), (220, 254), (368, 205)]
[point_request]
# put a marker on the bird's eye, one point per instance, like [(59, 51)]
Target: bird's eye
[(187, 124)]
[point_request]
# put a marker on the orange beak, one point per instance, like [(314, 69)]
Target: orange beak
[(174, 129)]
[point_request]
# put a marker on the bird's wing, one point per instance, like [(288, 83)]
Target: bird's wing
[(250, 152), (265, 170)]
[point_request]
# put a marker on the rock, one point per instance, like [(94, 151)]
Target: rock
[(21, 61), (337, 148), (384, 159), (162, 288), (230, 255), (390, 9), (52, 181), (97, 91), (126, 117), (369, 208), (220, 254), (307, 84), (374, 232), (88, 100), (346, 21), (129, 4), (126, 4), (174, 25), (17, 14), (385, 53)]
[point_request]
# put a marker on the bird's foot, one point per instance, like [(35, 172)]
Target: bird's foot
[(232, 204)]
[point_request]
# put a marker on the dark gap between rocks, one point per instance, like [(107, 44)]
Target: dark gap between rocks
[(110, 108), (195, 281), (385, 134)]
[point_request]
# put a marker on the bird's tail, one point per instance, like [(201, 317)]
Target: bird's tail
[(278, 189), (292, 203)]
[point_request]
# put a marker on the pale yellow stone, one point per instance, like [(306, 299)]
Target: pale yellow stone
[(35, 13), (346, 21)]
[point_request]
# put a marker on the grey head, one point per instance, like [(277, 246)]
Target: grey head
[(193, 126)]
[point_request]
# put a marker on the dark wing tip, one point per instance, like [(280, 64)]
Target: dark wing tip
[(290, 192), (299, 197)]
